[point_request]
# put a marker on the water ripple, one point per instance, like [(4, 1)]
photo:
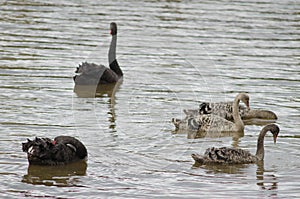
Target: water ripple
[(174, 55)]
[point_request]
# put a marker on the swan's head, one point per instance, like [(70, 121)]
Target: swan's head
[(274, 130), (245, 99), (113, 28), (38, 150)]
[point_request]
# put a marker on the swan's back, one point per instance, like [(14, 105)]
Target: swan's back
[(80, 149), (215, 124), (222, 109), (259, 114), (204, 123), (89, 74), (225, 155)]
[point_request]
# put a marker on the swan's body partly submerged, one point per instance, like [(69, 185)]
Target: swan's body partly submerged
[(226, 155), (62, 150), (94, 74), (225, 110), (213, 123)]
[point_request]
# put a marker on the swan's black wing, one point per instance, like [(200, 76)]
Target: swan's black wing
[(89, 74)]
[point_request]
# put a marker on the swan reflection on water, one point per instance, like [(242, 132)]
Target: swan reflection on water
[(264, 180), (258, 122), (99, 91), (222, 168), (201, 134), (55, 175), (91, 91)]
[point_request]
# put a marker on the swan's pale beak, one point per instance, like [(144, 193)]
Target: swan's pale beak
[(248, 105), (275, 138)]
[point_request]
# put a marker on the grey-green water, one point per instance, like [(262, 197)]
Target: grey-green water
[(174, 54)]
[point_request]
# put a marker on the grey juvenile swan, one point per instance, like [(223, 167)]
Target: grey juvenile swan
[(214, 123), (226, 155), (93, 74), (224, 109)]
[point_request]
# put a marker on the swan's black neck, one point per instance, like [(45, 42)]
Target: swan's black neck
[(112, 49), (113, 63), (260, 151), (116, 68)]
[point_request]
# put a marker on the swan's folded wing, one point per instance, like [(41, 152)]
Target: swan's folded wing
[(89, 74)]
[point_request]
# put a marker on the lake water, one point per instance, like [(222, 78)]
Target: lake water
[(174, 54)]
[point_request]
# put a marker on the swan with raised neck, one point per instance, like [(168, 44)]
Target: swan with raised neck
[(94, 74), (225, 155), (224, 109), (239, 124), (214, 123)]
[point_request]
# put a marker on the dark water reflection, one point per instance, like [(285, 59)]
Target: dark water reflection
[(266, 181), (55, 175), (197, 135), (98, 91), (229, 169), (91, 91)]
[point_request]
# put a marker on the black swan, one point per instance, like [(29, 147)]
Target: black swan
[(214, 123), (94, 74), (224, 109), (226, 155), (60, 151)]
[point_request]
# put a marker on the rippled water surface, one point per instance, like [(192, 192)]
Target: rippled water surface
[(174, 54)]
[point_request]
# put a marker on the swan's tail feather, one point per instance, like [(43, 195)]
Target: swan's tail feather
[(88, 73)]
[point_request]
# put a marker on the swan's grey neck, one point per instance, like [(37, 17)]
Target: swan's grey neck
[(260, 151), (112, 49), (236, 116)]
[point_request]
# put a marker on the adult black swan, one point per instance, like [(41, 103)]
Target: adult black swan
[(94, 74), (60, 151), (225, 155)]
